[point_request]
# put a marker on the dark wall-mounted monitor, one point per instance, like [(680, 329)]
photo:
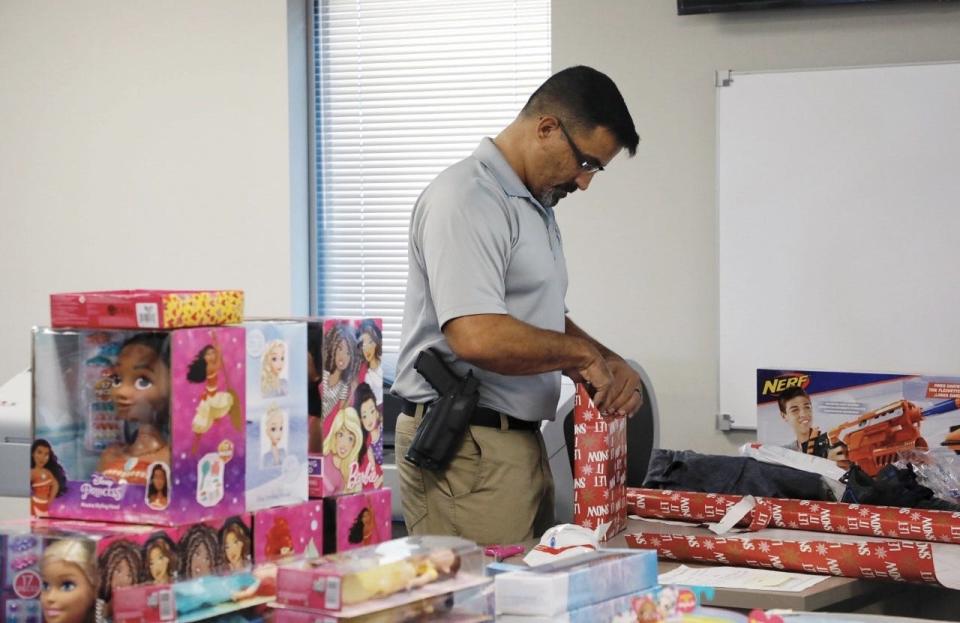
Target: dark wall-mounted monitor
[(691, 7)]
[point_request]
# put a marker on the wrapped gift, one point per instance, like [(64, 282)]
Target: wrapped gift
[(146, 309), (859, 519), (811, 552), (599, 466)]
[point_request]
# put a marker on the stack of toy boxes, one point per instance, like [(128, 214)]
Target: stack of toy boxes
[(400, 580), (346, 431), (143, 414)]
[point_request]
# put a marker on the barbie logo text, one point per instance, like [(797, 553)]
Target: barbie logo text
[(100, 487)]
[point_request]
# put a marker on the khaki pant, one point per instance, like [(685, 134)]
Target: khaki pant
[(497, 488)]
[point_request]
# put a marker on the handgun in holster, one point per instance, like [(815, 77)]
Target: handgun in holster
[(446, 419)]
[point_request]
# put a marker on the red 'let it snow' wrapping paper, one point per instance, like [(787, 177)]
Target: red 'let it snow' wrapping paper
[(599, 466), (811, 552), (836, 517)]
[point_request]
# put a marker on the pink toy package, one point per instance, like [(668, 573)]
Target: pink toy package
[(288, 532), (352, 521), (346, 423), (186, 571), (138, 427), (376, 578)]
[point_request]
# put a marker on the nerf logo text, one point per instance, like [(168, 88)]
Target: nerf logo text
[(783, 383)]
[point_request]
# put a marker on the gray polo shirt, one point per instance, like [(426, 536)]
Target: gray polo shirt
[(481, 244)]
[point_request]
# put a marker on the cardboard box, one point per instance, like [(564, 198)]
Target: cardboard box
[(356, 520), (146, 309)]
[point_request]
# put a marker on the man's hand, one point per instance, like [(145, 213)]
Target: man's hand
[(625, 394), (597, 374)]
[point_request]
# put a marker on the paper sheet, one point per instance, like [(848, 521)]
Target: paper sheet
[(741, 578)]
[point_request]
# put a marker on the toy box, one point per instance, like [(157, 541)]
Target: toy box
[(346, 423), (471, 605), (146, 309), (99, 559), (20, 580), (599, 467), (857, 417), (276, 413), (287, 532), (352, 521), (382, 576), (140, 427), (572, 583), (651, 605)]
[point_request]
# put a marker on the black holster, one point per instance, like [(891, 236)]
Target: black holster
[(446, 419)]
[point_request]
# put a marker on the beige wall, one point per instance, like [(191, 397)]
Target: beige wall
[(641, 245), (142, 144)]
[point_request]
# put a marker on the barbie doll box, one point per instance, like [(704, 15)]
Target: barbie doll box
[(146, 309), (352, 521), (572, 583), (378, 577), (346, 406), (276, 413), (287, 532), (138, 427)]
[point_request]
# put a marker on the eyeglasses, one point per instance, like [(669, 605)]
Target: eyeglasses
[(587, 164)]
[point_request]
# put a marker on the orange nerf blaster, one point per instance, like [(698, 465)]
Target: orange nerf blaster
[(873, 439)]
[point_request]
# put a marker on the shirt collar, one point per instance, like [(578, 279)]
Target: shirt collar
[(489, 154)]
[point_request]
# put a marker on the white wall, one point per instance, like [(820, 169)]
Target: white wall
[(142, 144), (641, 244)]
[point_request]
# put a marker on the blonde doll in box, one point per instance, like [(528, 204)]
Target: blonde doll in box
[(402, 575)]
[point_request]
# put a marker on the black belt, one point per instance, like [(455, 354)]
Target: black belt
[(482, 416)]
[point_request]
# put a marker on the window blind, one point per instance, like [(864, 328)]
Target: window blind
[(403, 89)]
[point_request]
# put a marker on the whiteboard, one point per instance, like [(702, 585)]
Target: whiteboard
[(838, 199)]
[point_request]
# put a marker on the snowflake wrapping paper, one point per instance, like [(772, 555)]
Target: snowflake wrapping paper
[(812, 552), (599, 466), (837, 517)]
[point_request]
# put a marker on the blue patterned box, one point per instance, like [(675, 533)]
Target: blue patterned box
[(276, 413), (555, 588)]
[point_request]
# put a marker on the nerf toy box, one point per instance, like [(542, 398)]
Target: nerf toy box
[(146, 309), (859, 418), (276, 413), (346, 412), (356, 520), (375, 578), (138, 427)]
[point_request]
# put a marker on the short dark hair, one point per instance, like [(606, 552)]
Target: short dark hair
[(789, 394), (586, 98)]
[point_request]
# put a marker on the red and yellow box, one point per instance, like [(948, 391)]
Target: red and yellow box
[(146, 309)]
